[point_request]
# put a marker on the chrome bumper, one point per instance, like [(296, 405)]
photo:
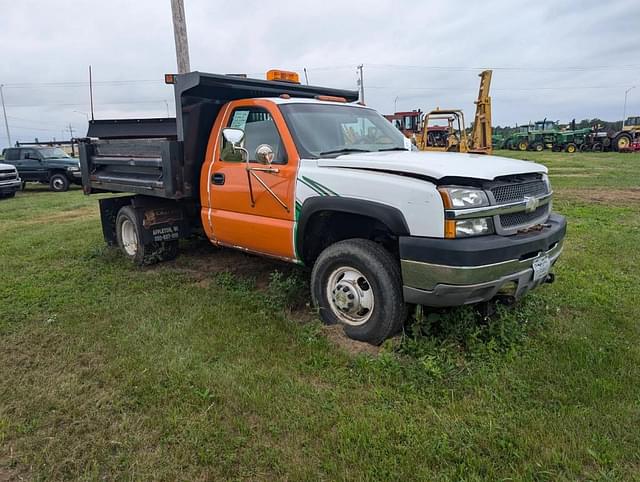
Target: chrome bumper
[(438, 285), (10, 185)]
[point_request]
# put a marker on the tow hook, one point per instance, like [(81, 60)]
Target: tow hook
[(551, 277)]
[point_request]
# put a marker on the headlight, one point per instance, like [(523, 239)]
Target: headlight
[(473, 227), (459, 197)]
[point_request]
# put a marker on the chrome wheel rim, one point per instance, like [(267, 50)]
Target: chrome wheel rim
[(129, 237), (58, 183), (350, 296)]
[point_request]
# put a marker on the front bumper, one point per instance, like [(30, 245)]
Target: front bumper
[(453, 272), (10, 186)]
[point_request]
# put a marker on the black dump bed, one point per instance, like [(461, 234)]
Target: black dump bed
[(163, 157)]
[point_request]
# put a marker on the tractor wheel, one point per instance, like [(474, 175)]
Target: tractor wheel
[(584, 147), (523, 145), (556, 148), (597, 147), (538, 147), (623, 142), (571, 148)]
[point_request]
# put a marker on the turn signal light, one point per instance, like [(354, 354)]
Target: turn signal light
[(169, 78), (283, 76)]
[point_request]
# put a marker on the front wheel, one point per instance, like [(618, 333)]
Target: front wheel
[(357, 283), (59, 183), (571, 148)]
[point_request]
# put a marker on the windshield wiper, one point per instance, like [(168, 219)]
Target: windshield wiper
[(344, 150), (393, 149)]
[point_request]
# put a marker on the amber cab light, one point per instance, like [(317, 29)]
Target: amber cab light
[(283, 76), (169, 78), (330, 98)]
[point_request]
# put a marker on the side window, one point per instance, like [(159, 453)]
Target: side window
[(259, 128), (12, 154), (32, 154)]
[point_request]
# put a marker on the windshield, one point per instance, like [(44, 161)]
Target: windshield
[(328, 130), (53, 153)]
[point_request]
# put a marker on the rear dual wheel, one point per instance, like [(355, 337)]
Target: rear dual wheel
[(357, 283), (130, 241)]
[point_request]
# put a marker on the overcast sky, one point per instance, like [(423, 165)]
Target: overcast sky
[(555, 59)]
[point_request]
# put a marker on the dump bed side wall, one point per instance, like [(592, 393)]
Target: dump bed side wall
[(153, 167)]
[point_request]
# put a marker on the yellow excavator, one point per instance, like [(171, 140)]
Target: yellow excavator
[(444, 129)]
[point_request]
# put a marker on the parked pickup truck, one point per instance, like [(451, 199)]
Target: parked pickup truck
[(10, 181), (306, 175), (49, 165)]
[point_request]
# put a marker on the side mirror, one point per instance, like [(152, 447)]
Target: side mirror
[(264, 154), (234, 136)]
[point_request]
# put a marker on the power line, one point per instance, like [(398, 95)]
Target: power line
[(511, 68), (160, 101)]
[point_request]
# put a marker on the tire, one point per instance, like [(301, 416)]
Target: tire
[(538, 147), (363, 273), (523, 145), (570, 148), (129, 236), (58, 182), (597, 147), (556, 148), (622, 142), (584, 148)]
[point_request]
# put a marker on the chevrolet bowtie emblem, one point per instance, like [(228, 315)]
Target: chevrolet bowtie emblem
[(531, 204)]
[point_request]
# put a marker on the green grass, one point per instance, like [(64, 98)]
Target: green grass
[(210, 368)]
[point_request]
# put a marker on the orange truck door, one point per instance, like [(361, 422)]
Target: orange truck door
[(229, 217)]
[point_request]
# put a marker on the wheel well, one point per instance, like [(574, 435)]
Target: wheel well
[(327, 227), (57, 171)]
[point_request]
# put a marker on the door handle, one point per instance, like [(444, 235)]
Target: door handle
[(217, 179)]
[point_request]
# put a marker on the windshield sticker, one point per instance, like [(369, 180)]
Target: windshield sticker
[(239, 119)]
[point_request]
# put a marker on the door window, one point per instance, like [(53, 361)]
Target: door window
[(29, 154), (259, 128)]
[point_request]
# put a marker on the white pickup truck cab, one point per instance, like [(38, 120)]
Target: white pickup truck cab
[(309, 177)]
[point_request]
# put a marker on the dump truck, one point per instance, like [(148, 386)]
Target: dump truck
[(307, 175)]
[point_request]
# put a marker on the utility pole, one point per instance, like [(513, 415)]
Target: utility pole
[(624, 112), (91, 92), (180, 35), (361, 84), (395, 104), (4, 111), (306, 77), (70, 131)]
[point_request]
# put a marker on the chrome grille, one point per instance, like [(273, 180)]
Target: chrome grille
[(513, 192), (8, 174), (522, 218)]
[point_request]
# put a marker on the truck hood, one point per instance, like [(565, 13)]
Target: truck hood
[(435, 165)]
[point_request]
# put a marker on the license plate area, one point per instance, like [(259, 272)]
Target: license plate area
[(541, 266)]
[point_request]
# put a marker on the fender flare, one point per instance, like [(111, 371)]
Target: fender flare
[(391, 216)]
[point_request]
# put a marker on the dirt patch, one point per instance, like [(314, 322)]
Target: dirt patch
[(603, 196), (62, 216), (201, 260), (7, 475), (335, 334)]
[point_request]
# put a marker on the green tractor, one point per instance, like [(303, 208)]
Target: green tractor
[(534, 137), (573, 140)]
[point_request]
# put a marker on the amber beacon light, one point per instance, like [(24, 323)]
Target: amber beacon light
[(283, 76)]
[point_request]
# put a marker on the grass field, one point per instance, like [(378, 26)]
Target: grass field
[(212, 366)]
